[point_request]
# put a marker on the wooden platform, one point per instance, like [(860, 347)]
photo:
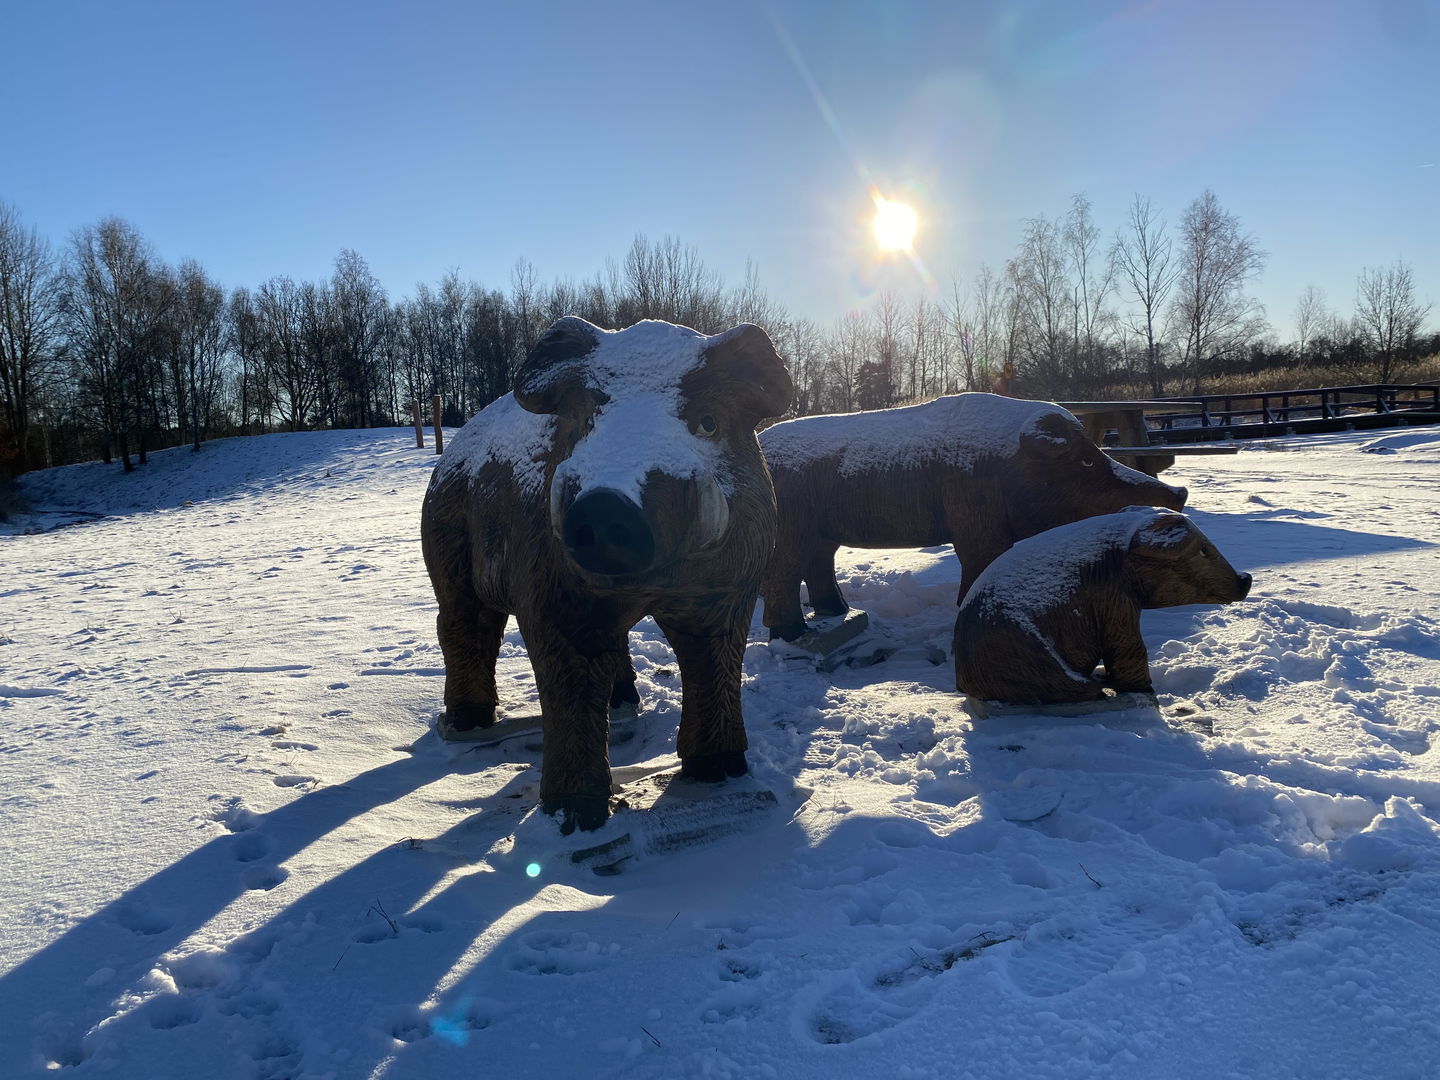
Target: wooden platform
[(1157, 457)]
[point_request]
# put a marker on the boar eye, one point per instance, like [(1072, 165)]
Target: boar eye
[(706, 426), (1089, 463), (1206, 552)]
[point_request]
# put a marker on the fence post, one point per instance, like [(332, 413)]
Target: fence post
[(419, 425), (439, 434)]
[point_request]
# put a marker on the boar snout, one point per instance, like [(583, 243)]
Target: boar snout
[(1182, 495), (1242, 585), (604, 532)]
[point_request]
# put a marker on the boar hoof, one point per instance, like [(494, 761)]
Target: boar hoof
[(789, 632), (625, 697), (826, 611), (458, 719), (712, 768), (584, 812)]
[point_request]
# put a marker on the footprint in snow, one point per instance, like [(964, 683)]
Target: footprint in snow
[(742, 993), (867, 1005), (264, 878), (1065, 953), (555, 953), (249, 847), (452, 1024), (170, 1011), (144, 920)]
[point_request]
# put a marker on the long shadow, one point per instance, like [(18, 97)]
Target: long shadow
[(1044, 896), (1270, 541), (128, 934)]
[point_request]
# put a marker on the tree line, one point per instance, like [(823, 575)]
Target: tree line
[(108, 351)]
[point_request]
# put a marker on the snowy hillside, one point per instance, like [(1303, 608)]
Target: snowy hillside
[(233, 847)]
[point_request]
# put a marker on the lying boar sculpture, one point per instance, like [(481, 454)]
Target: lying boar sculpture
[(974, 470), (622, 478), (1047, 611)]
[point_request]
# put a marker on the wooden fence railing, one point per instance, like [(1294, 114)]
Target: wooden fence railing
[(1325, 408)]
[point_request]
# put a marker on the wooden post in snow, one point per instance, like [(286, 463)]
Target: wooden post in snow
[(419, 425), (439, 434)]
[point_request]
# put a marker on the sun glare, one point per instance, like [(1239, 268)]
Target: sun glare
[(894, 225)]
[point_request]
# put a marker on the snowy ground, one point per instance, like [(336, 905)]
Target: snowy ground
[(233, 848)]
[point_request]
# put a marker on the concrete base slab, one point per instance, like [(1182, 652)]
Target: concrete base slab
[(1112, 702), (660, 812), (530, 726), (824, 635)]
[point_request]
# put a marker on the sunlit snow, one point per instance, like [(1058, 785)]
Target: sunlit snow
[(232, 847)]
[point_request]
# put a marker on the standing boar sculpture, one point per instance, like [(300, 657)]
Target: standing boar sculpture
[(977, 471), (621, 478), (1045, 613)]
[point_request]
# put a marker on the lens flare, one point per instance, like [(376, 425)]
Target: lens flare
[(533, 870)]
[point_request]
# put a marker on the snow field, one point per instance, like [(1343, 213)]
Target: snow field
[(234, 847)]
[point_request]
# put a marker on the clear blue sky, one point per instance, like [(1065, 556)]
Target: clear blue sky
[(262, 138)]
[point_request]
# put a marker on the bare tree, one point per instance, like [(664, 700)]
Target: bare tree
[(668, 280), (877, 378), (116, 294), (1389, 314), (751, 303), (927, 356), (290, 369), (850, 344), (1092, 281), (1311, 314), (200, 339), (800, 342), (356, 316), (1039, 276), (29, 331), (246, 337), (1142, 254), (525, 302), (1212, 314)]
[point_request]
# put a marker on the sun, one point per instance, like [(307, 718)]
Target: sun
[(895, 225)]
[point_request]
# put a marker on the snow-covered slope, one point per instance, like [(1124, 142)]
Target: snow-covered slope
[(232, 847)]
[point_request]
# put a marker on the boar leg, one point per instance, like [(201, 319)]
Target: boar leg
[(624, 696), (780, 593), (1001, 663), (974, 555), (825, 596), (1127, 663), (711, 743), (470, 636), (575, 679)]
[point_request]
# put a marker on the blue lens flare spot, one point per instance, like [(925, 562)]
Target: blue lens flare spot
[(533, 870)]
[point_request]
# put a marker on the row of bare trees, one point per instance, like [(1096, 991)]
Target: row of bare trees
[(106, 349)]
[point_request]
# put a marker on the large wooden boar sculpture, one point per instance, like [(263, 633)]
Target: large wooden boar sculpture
[(622, 478), (974, 470), (1045, 613)]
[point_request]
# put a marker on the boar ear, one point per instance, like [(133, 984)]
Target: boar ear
[(553, 364), (1163, 537), (1048, 436), (744, 358)]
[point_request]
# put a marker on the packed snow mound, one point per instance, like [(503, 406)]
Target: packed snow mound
[(225, 470), (1425, 441), (231, 835)]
